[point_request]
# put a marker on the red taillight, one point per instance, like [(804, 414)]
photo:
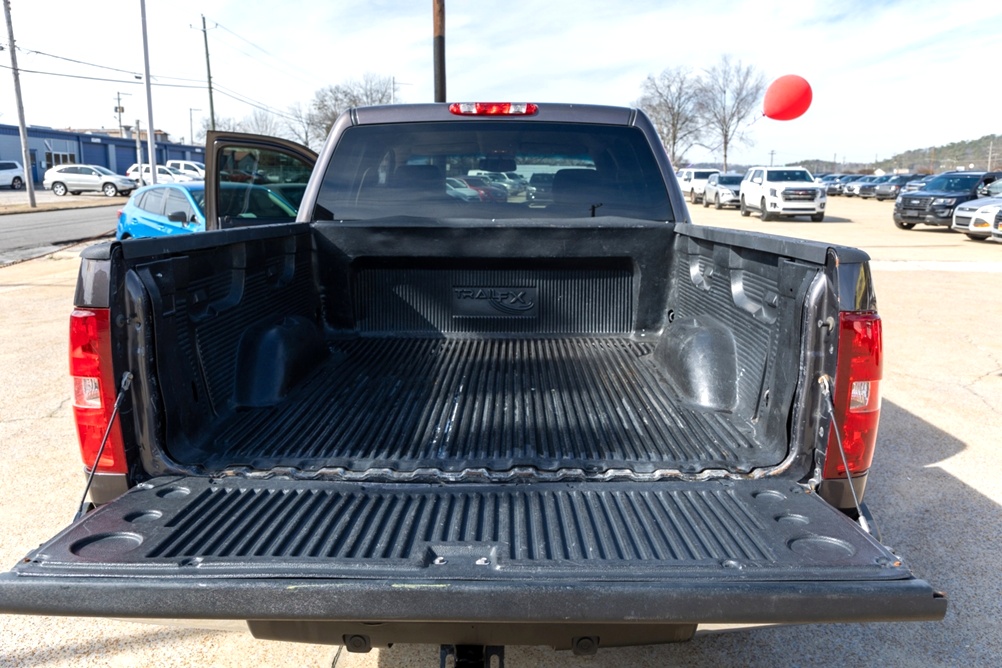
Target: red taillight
[(94, 389), (493, 108), (857, 393)]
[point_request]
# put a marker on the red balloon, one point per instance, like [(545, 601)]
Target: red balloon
[(787, 98)]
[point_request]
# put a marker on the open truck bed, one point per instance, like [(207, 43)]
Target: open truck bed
[(415, 418)]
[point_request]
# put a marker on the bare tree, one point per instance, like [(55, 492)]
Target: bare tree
[(670, 101), (329, 102), (297, 123), (728, 95), (223, 124), (262, 122)]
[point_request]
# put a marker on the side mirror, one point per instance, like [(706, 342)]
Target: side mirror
[(178, 217)]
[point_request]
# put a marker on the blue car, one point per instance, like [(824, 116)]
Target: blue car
[(179, 208)]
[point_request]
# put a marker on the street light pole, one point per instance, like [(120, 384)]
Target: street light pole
[(191, 125), (149, 100), (208, 72), (119, 109)]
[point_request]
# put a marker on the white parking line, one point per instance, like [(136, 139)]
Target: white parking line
[(932, 265)]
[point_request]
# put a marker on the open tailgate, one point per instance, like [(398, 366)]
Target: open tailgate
[(717, 551)]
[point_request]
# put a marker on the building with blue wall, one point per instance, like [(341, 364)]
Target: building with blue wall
[(49, 147)]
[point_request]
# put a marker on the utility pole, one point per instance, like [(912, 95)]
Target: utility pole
[(991, 146), (119, 109), (208, 72), (438, 9), (771, 154), (29, 180), (150, 139)]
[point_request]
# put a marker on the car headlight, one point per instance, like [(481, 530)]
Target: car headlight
[(726, 192), (944, 201)]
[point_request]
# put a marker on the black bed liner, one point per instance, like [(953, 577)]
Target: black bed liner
[(293, 549), (584, 406)]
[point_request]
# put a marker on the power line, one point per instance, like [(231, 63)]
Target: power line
[(250, 101), (287, 64), (78, 62), (87, 78), (153, 77), (196, 85)]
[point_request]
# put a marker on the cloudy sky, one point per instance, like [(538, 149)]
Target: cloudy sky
[(888, 76)]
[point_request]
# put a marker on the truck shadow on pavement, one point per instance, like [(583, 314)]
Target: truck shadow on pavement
[(945, 529), (115, 649)]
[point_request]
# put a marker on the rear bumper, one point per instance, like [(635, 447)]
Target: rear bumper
[(419, 602)]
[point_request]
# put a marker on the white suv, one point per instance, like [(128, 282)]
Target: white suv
[(11, 174), (782, 191), (693, 182)]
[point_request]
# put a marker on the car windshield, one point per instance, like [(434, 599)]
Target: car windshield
[(779, 175), (952, 183), (103, 170), (731, 180), (399, 169), (702, 175)]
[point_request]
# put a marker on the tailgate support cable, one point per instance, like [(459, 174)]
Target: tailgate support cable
[(126, 384), (826, 390)]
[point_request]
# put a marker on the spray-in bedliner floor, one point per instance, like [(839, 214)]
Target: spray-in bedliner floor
[(489, 407)]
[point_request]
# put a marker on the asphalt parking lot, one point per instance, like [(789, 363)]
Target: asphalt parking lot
[(935, 486)]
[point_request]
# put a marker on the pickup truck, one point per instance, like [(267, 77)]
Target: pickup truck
[(407, 418)]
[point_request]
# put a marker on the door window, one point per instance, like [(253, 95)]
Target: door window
[(176, 201)]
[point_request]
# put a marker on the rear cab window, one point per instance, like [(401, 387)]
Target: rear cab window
[(400, 169)]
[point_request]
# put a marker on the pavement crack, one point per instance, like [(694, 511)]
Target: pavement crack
[(62, 404)]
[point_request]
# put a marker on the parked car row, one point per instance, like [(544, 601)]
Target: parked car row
[(887, 186), (74, 179), (772, 192), (165, 174), (964, 201), (952, 199)]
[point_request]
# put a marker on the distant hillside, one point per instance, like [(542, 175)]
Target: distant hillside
[(958, 155)]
